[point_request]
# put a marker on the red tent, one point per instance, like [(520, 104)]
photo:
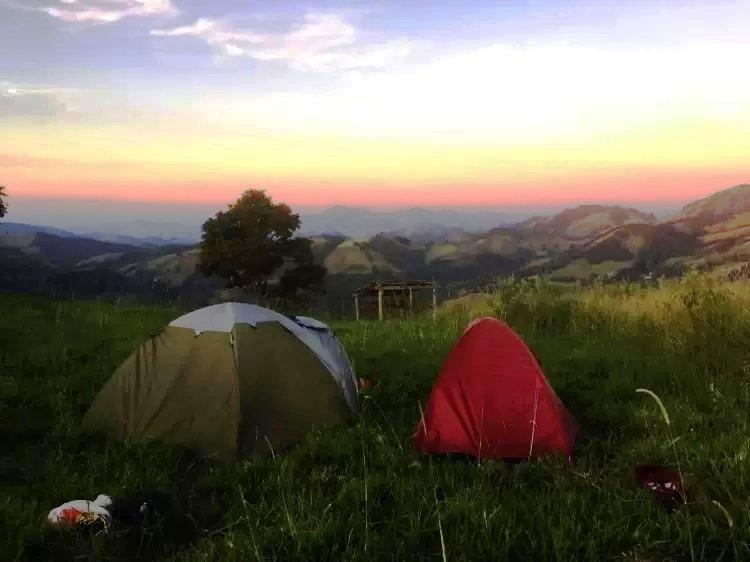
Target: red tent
[(492, 401)]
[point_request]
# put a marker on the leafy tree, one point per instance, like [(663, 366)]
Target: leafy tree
[(253, 240), (3, 205), (305, 274)]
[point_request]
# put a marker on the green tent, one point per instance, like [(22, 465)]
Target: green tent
[(229, 380)]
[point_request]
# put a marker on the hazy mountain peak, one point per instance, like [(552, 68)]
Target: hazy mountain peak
[(21, 229), (588, 220), (342, 209), (718, 205), (416, 221)]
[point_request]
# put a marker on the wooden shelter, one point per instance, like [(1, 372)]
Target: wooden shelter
[(397, 294)]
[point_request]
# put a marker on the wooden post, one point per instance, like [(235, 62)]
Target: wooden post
[(411, 301), (356, 307), (434, 301), (380, 304)]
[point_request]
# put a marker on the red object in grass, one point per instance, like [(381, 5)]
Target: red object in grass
[(492, 400), (664, 483), (70, 516), (364, 384)]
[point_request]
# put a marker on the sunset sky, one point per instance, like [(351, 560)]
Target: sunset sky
[(380, 103)]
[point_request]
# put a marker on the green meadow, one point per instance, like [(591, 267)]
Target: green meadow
[(362, 493)]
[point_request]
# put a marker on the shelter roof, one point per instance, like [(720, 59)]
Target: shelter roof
[(392, 286)]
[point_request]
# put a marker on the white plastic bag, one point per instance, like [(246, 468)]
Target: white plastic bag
[(82, 513)]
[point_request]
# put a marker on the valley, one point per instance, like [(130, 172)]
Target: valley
[(577, 245)]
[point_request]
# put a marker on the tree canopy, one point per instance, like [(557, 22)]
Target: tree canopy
[(3, 204), (252, 241)]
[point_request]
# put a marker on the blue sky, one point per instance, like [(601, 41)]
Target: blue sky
[(376, 103), (39, 49)]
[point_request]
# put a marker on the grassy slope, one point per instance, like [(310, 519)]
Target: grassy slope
[(361, 493)]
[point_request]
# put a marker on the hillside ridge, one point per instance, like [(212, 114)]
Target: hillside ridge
[(576, 244)]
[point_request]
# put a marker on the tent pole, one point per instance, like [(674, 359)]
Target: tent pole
[(411, 301), (380, 304), (356, 307), (434, 301)]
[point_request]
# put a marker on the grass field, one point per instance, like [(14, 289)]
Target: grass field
[(362, 493)]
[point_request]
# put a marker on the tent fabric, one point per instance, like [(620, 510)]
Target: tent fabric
[(347, 378), (258, 387), (492, 400), (279, 375), (308, 322), (336, 355), (177, 387), (223, 317)]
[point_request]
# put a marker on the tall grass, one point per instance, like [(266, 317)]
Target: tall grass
[(362, 493)]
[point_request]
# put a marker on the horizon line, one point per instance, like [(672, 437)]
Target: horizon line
[(489, 207)]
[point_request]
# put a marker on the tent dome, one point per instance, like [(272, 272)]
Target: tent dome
[(222, 317), (492, 400), (228, 380)]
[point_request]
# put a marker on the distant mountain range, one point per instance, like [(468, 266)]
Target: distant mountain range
[(578, 244), (423, 225), (21, 229), (146, 232), (574, 245), (415, 223), (61, 263)]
